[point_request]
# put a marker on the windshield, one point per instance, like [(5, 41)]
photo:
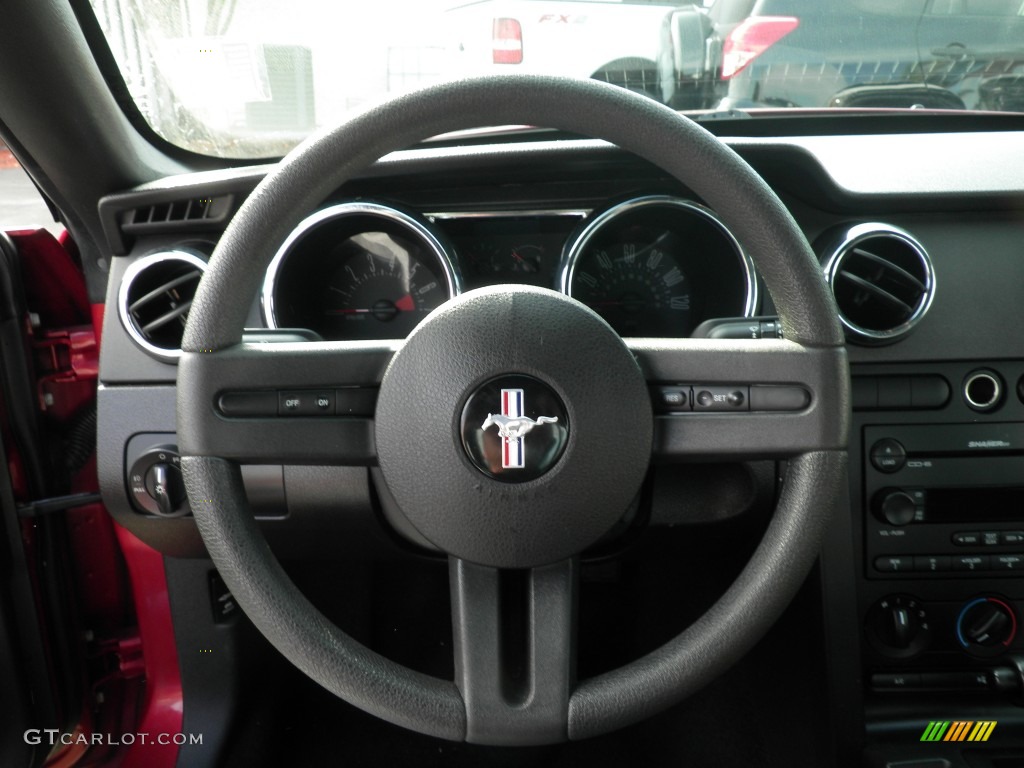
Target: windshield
[(251, 78)]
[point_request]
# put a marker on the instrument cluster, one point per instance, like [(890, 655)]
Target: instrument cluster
[(654, 266)]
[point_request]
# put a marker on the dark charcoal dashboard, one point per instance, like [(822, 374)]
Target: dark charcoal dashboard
[(920, 238)]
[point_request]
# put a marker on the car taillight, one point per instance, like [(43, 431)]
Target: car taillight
[(751, 38), (507, 41)]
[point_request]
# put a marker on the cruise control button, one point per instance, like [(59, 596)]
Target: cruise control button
[(323, 403), (306, 403), (671, 398), (971, 563), (289, 403), (888, 455), (720, 399)]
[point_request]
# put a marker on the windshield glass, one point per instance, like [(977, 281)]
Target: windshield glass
[(251, 78)]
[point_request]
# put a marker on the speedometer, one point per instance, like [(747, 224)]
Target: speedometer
[(636, 282), (359, 271), (658, 266)]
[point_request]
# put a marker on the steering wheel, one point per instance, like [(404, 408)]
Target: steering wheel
[(592, 382)]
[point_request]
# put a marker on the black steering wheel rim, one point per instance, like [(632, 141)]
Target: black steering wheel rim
[(726, 183)]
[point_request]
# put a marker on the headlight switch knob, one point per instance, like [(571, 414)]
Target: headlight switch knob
[(155, 484)]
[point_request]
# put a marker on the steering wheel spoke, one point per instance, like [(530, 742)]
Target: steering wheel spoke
[(282, 403), (743, 399), (515, 650)]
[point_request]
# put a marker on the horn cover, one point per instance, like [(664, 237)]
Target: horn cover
[(469, 349)]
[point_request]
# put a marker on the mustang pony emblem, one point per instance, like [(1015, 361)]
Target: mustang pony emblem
[(513, 427)]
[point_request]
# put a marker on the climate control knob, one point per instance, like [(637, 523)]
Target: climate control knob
[(897, 626), (986, 626)]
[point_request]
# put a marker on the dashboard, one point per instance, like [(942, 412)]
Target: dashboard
[(920, 572)]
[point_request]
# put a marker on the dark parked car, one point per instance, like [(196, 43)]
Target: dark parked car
[(936, 54)]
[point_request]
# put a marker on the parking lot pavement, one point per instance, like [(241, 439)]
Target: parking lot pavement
[(21, 204)]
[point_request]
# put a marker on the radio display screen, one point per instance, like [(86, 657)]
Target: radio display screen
[(974, 505)]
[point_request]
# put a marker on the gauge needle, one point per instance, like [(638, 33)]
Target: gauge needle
[(404, 304)]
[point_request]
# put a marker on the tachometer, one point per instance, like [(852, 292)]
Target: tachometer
[(379, 283), (657, 266), (359, 271)]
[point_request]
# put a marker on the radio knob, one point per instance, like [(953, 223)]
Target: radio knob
[(986, 626), (897, 626), (896, 508)]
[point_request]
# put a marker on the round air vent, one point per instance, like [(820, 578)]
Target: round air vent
[(154, 299), (882, 280)]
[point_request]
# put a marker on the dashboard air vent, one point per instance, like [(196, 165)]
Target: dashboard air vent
[(882, 280), (170, 214), (154, 299)]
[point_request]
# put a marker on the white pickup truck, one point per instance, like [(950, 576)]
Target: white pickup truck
[(634, 44)]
